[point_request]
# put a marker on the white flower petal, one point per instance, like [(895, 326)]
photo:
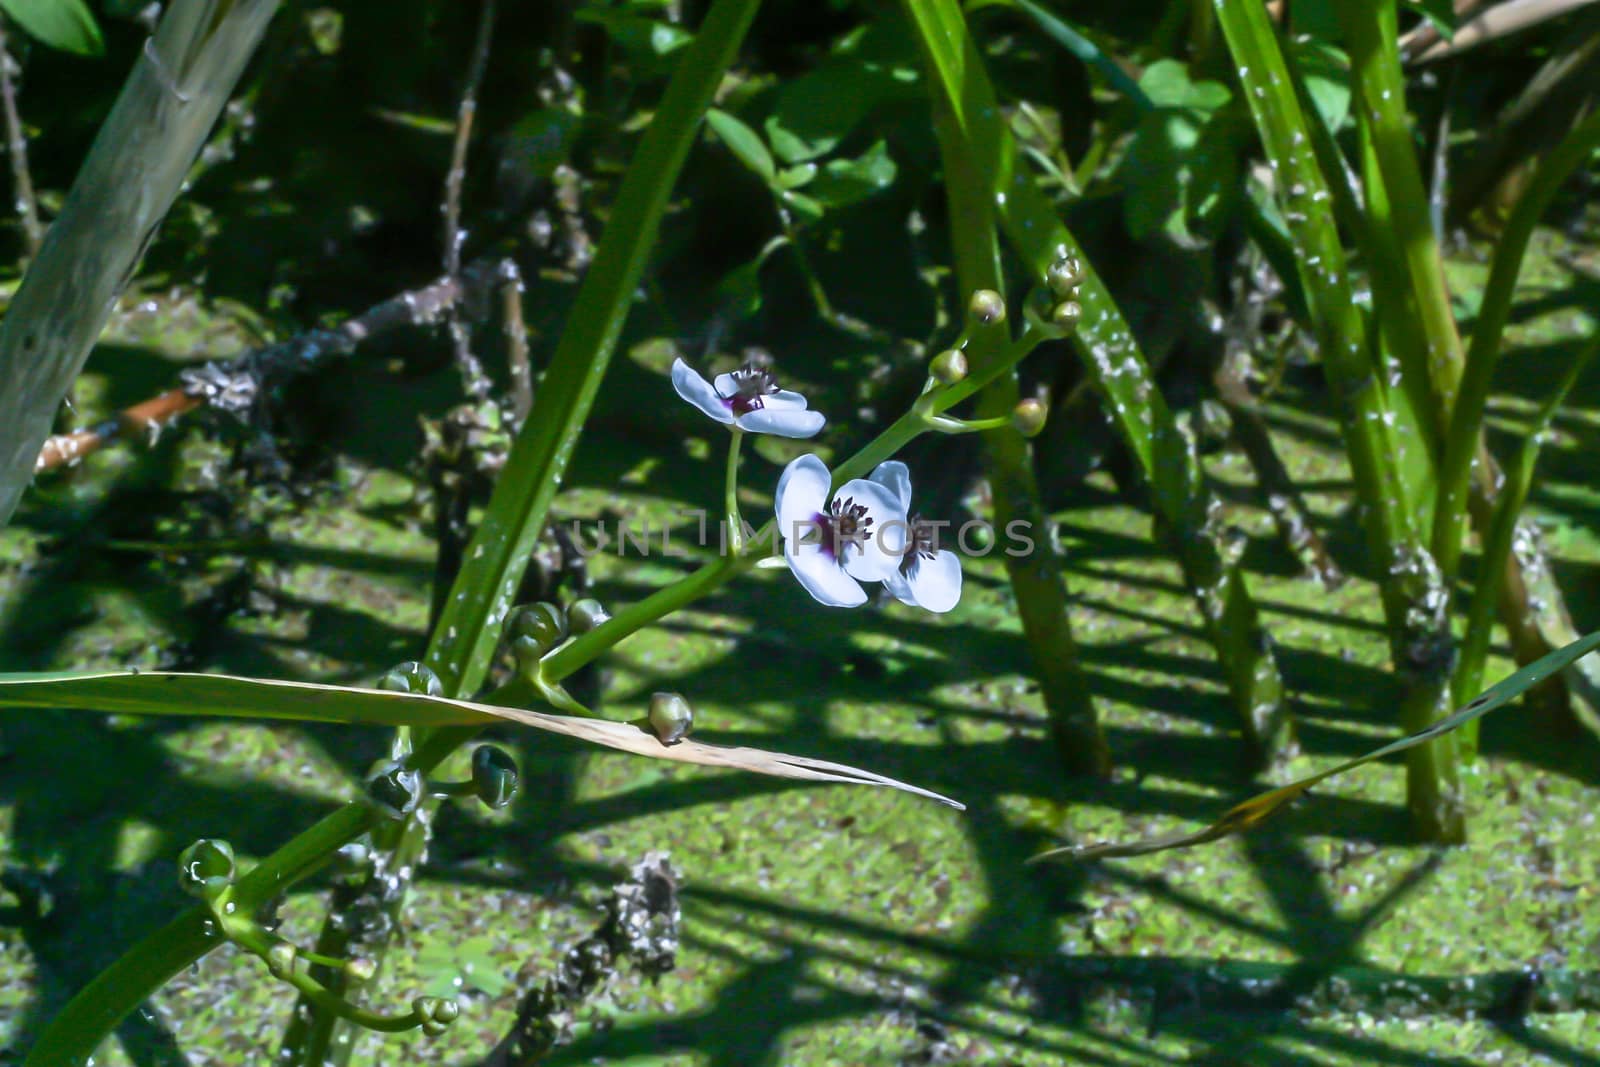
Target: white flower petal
[(725, 385), (802, 495), (880, 554), (895, 477), (697, 391), (783, 398), (822, 577), (782, 423), (896, 583), (935, 584)]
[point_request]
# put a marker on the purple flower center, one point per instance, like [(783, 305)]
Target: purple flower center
[(923, 543), (844, 524), (750, 384)]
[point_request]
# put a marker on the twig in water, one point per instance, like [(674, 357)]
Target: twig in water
[(516, 334), (476, 382), (241, 385)]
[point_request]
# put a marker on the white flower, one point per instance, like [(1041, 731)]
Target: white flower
[(927, 576), (748, 398), (832, 546)]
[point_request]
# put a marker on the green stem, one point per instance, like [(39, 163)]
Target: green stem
[(1112, 360), (73, 1035), (1466, 419), (1414, 595), (586, 648), (1497, 545), (468, 631), (1036, 577), (1371, 29), (946, 424), (730, 495)]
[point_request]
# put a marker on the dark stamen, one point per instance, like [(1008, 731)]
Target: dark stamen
[(750, 384), (845, 524), (924, 544)]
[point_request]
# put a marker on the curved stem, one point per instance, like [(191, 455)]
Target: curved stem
[(730, 495)]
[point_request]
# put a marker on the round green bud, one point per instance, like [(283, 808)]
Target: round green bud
[(280, 959), (394, 789), (987, 307), (948, 367), (585, 615), (1028, 417), (412, 677), (543, 623), (671, 717), (494, 776), (206, 868), (359, 969), (1064, 276), (436, 1014), (1067, 314)]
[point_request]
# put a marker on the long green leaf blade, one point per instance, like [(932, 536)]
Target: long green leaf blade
[(1259, 808)]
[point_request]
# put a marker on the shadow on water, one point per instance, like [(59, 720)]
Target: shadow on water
[(958, 729)]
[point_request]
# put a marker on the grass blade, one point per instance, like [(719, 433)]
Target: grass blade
[(1259, 808), (1502, 530)]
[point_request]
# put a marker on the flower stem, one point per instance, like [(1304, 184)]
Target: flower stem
[(946, 424), (730, 498), (565, 660), (968, 139)]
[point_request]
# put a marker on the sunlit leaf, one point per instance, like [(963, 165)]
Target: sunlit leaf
[(65, 24), (1326, 71), (820, 108), (645, 39), (806, 207), (846, 181), (1166, 82), (1259, 808), (796, 176), (1181, 165), (743, 142)]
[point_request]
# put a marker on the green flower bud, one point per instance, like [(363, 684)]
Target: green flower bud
[(280, 959), (948, 367), (359, 969), (671, 717), (436, 1014), (1067, 314), (987, 307), (543, 624), (494, 776), (1064, 276), (1028, 417), (585, 615), (394, 789), (412, 677), (206, 868)]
